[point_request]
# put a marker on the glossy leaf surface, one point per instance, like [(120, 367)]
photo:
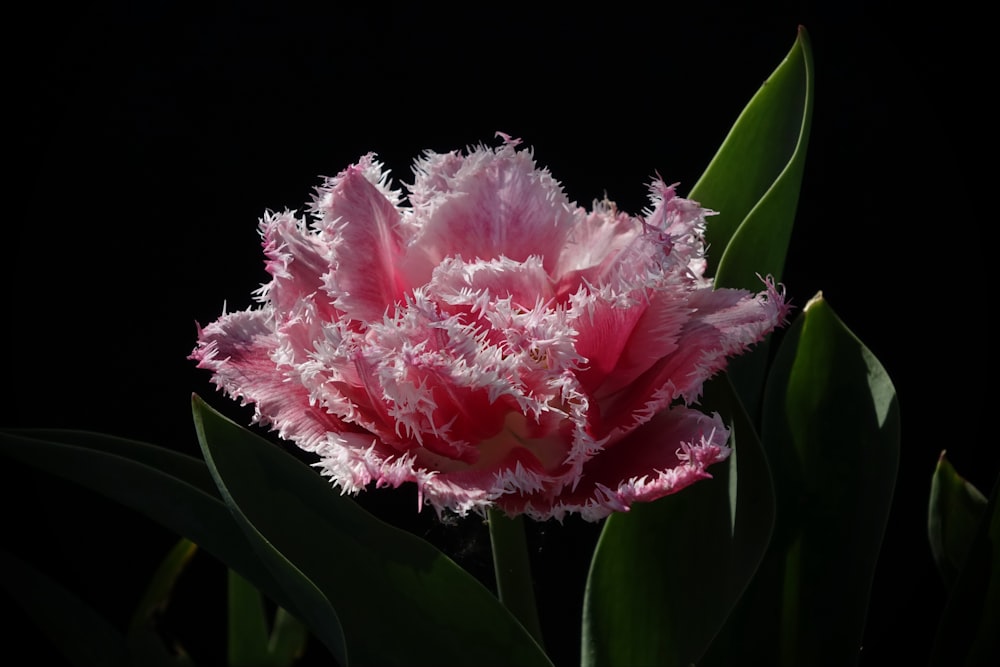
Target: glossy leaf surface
[(170, 488), (831, 434), (753, 182), (330, 554), (666, 574)]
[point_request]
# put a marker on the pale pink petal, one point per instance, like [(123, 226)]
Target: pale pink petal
[(594, 246), (296, 261), (237, 348), (478, 283), (487, 205)]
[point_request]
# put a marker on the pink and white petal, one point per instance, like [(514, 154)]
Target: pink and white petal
[(494, 204), (724, 323), (476, 489), (654, 336), (321, 357), (665, 455), (477, 283), (296, 260), (621, 342), (594, 243), (680, 224), (352, 461), (361, 226), (237, 349), (603, 336)]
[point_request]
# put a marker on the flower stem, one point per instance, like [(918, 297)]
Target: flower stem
[(513, 570)]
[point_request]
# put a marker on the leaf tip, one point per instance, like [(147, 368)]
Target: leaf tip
[(814, 301)]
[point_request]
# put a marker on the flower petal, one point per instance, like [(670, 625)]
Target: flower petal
[(724, 323), (362, 226), (237, 349), (487, 205), (491, 342), (296, 260), (665, 455)]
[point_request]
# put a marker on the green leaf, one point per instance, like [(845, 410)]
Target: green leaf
[(161, 586), (82, 635), (173, 489), (967, 635), (250, 643), (754, 179), (955, 510), (144, 640), (753, 184), (665, 575), (247, 633), (831, 433), (400, 600)]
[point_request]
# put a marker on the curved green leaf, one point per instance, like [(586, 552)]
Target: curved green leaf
[(954, 514), (967, 635), (754, 179), (665, 575), (753, 184), (400, 600), (831, 432), (173, 489)]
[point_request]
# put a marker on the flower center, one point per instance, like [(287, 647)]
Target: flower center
[(518, 432)]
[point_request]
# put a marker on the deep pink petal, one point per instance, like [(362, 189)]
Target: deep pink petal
[(665, 455), (363, 227), (724, 323), (603, 338)]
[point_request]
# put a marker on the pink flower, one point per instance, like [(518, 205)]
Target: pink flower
[(490, 341)]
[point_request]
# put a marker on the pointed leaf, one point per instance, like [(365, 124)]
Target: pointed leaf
[(82, 635), (955, 510), (665, 575), (399, 599), (753, 181), (831, 433), (173, 489), (753, 184), (967, 635)]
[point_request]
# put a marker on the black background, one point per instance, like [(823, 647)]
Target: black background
[(145, 140)]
